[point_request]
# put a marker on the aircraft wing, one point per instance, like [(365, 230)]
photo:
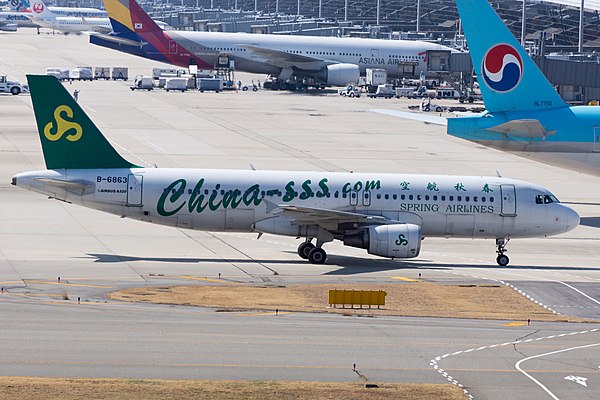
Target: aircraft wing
[(527, 128), (312, 215), (284, 59)]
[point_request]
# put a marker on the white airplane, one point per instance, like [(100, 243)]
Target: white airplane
[(41, 15), (326, 60), (11, 20), (68, 11), (387, 214), (15, 16)]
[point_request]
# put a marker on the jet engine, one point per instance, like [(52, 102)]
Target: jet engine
[(394, 241), (340, 74), (11, 27)]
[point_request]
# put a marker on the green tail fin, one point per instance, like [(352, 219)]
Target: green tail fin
[(69, 138)]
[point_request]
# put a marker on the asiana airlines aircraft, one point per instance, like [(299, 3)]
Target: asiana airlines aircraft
[(325, 60), (386, 214)]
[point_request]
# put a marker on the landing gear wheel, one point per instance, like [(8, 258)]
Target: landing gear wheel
[(502, 260), (317, 256), (304, 249)]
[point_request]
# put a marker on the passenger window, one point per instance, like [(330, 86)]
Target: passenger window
[(451, 198), (426, 197), (379, 195), (443, 198), (466, 198), (336, 194), (483, 199), (402, 197), (410, 196), (387, 196), (418, 197), (395, 197), (458, 198), (475, 199), (491, 199)]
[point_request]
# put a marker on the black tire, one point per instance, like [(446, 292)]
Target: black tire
[(352, 94), (438, 109), (15, 90), (304, 249), (245, 88), (502, 260), (317, 256)]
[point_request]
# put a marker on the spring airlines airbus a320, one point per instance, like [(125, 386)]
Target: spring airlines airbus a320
[(387, 214)]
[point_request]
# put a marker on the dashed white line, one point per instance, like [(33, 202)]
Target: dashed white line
[(434, 361)]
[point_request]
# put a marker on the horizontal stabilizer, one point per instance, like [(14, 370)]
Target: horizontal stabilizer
[(427, 118), (119, 40), (527, 128), (77, 187)]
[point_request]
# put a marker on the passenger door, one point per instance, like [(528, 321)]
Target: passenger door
[(508, 201), (135, 185)]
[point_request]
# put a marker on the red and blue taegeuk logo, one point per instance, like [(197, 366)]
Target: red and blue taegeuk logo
[(502, 68)]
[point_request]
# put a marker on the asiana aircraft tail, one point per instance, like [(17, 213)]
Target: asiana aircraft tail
[(386, 214)]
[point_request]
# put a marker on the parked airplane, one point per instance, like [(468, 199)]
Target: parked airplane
[(324, 60), (15, 16), (524, 114), (11, 20), (41, 15), (68, 11), (387, 214)]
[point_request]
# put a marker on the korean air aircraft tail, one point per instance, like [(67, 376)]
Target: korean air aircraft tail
[(70, 140), (525, 115), (508, 77)]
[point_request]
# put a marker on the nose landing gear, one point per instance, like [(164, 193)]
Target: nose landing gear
[(502, 259)]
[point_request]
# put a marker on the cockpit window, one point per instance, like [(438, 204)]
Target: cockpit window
[(545, 199)]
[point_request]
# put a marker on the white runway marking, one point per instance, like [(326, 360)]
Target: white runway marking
[(434, 361), (518, 364)]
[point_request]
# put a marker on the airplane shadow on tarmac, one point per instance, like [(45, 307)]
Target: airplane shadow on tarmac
[(345, 265)]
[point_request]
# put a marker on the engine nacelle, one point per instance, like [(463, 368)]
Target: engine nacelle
[(341, 74), (394, 241), (9, 27)]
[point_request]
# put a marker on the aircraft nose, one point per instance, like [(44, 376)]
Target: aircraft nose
[(572, 219)]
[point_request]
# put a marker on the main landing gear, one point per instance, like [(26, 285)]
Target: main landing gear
[(502, 259), (312, 253)]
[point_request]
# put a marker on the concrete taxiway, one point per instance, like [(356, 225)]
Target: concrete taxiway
[(94, 253)]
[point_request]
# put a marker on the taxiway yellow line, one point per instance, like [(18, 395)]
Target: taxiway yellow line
[(64, 283)]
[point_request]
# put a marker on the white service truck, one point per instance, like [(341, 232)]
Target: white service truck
[(374, 78), (142, 83), (12, 87)]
